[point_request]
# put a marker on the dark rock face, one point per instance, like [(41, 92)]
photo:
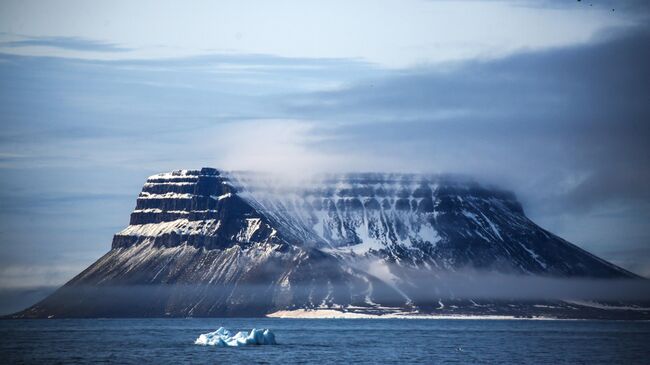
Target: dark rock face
[(208, 243)]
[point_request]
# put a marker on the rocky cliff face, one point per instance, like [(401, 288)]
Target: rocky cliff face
[(196, 208), (208, 243)]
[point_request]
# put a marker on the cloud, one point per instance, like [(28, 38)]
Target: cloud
[(67, 43), (13, 300), (574, 118), (371, 30)]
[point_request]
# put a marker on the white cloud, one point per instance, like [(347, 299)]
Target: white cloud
[(386, 32), (272, 145)]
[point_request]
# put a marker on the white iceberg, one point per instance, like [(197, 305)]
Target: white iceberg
[(223, 337)]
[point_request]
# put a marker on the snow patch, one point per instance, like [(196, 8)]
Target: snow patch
[(535, 256), (146, 195), (220, 197), (179, 226), (252, 225)]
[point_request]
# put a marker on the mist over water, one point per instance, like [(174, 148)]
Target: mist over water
[(430, 288), (494, 286)]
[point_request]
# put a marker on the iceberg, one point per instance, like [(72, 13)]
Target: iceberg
[(224, 337)]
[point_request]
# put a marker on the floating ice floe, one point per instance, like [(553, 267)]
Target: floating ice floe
[(223, 337)]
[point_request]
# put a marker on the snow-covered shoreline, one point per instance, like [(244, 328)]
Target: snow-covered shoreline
[(337, 314)]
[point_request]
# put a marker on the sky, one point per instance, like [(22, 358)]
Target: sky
[(550, 99)]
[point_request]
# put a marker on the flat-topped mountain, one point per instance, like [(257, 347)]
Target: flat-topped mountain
[(211, 243)]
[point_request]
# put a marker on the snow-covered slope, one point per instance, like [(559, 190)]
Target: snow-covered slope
[(440, 222), (208, 243)]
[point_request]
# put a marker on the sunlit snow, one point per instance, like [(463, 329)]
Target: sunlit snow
[(224, 337)]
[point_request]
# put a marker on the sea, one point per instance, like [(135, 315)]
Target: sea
[(326, 341)]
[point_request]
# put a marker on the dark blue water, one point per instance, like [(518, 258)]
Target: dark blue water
[(170, 341)]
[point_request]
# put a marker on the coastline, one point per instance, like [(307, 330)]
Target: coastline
[(337, 314)]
